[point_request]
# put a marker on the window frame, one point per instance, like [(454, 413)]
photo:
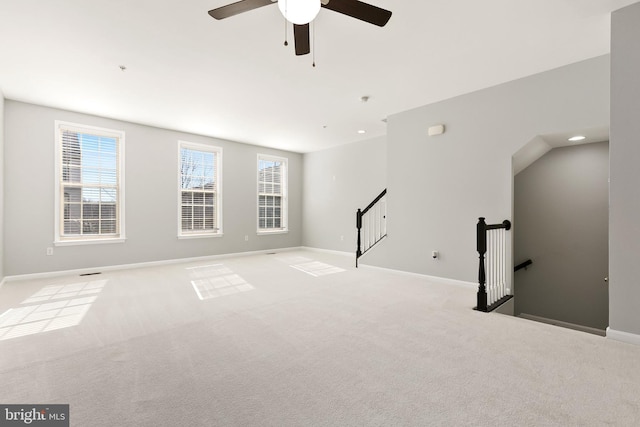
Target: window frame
[(284, 204), (87, 239), (217, 231)]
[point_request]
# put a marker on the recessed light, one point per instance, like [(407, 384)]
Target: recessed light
[(577, 138), (362, 131)]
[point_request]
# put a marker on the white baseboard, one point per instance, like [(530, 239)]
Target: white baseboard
[(567, 325), (623, 336), (60, 273), (435, 279)]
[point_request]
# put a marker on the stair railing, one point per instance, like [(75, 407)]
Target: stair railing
[(522, 265), (371, 223), (492, 272)]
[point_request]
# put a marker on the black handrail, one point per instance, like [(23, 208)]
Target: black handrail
[(376, 200), (359, 214), (522, 265), (481, 233)]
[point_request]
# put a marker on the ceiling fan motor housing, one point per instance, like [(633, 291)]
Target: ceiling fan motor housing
[(299, 11)]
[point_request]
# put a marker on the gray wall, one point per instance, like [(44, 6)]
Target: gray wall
[(150, 191), (1, 186), (439, 186), (337, 182), (624, 219), (561, 223)]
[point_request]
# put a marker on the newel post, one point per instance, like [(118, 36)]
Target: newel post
[(359, 227), (482, 249)]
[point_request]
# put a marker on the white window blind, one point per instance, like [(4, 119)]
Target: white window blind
[(200, 190), (89, 192), (272, 193)]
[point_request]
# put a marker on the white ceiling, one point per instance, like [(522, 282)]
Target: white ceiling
[(234, 79)]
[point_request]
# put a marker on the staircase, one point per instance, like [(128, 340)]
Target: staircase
[(371, 223)]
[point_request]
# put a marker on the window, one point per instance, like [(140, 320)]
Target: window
[(200, 190), (272, 194), (89, 191)]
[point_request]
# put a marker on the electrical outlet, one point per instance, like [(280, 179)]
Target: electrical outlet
[(342, 238), (49, 251), (246, 238)]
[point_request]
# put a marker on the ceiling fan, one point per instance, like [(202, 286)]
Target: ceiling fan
[(354, 8)]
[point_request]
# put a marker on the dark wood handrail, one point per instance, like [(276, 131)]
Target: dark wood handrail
[(522, 265), (506, 224), (380, 196)]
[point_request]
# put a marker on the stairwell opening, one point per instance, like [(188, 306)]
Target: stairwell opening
[(560, 217)]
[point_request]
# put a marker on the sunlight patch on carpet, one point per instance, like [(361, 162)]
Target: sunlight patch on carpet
[(53, 292), (62, 310), (216, 280), (317, 268), (294, 259)]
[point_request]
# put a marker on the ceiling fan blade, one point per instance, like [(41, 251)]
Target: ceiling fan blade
[(359, 10), (238, 7), (301, 37)]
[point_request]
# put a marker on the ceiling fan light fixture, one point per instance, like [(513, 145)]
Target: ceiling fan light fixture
[(299, 12)]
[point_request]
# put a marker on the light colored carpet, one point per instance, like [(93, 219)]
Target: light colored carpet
[(273, 345)]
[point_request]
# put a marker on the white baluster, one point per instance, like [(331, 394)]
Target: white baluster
[(503, 261), (491, 264)]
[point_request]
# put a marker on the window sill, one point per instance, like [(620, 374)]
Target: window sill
[(199, 236), (268, 232), (88, 242)]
